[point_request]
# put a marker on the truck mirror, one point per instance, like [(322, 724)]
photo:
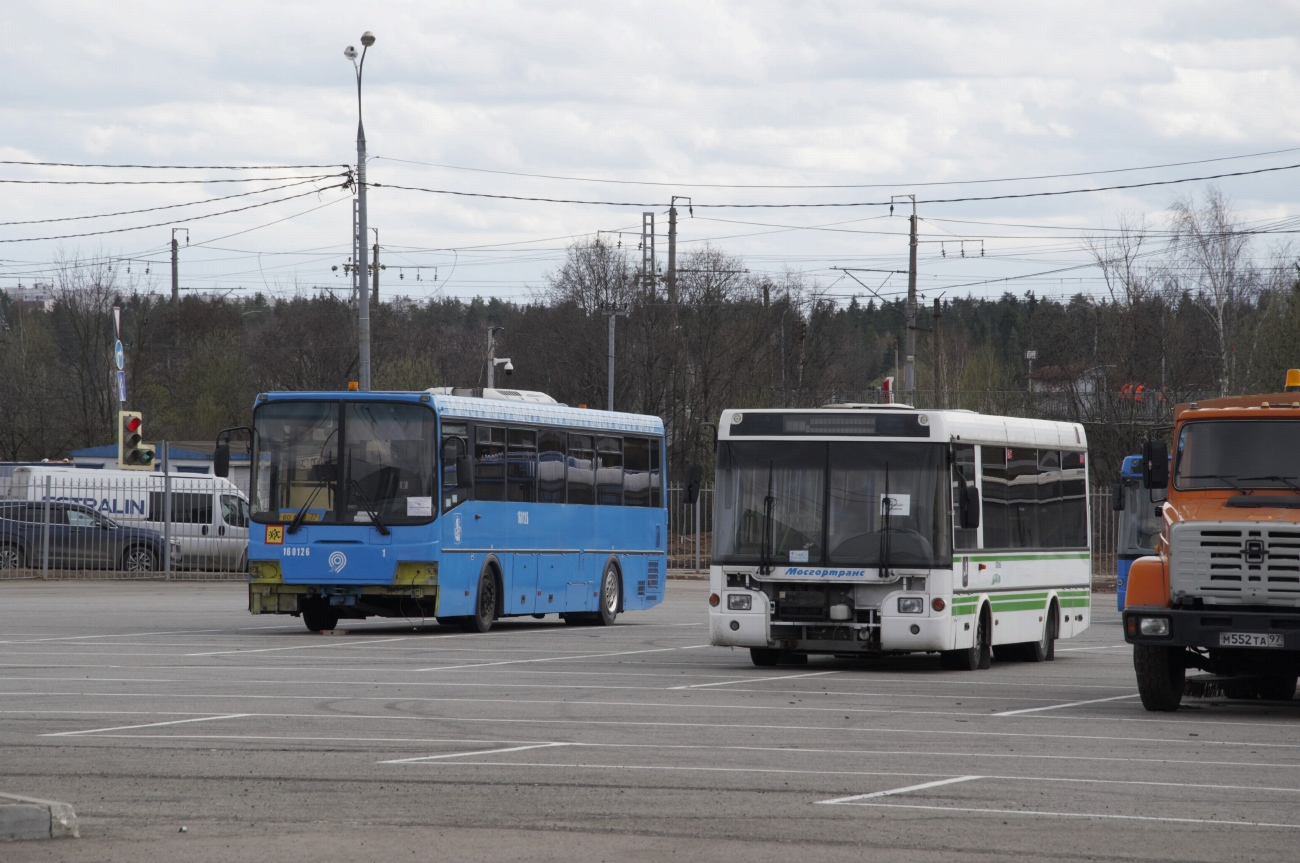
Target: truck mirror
[(970, 507), (221, 459), (1117, 497), (693, 475), (1155, 464)]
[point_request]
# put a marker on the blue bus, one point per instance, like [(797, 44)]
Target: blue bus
[(463, 506), (1139, 522)]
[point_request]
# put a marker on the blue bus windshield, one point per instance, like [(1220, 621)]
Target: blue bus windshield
[(345, 462)]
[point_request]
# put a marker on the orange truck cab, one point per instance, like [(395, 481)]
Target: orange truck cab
[(1222, 594)]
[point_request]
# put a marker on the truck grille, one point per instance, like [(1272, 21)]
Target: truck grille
[(1236, 563)]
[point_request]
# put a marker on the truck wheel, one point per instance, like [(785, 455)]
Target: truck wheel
[(979, 655), (1161, 676), (319, 616), (765, 657)]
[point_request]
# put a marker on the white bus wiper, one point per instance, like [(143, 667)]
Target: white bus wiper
[(1275, 478), (370, 510), (769, 504)]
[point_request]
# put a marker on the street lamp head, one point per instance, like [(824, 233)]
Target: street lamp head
[(351, 53), (367, 38)]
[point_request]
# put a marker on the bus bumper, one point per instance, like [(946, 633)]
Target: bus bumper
[(733, 626), (915, 632)]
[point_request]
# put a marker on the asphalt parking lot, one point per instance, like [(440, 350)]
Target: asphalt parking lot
[(152, 707)]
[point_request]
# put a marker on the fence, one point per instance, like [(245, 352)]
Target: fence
[(67, 523), (689, 545)]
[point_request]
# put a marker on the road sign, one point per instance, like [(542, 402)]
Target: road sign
[(119, 355), (121, 387)]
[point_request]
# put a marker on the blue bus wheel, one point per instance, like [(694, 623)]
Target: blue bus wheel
[(610, 596), (485, 606)]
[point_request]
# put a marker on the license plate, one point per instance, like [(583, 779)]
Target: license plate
[(1250, 639)]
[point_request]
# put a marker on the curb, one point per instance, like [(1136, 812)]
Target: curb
[(29, 818)]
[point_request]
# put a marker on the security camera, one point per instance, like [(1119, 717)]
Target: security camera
[(509, 367), (350, 52)]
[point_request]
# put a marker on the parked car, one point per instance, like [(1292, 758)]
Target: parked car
[(79, 538)]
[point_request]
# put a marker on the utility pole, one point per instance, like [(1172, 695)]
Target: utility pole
[(492, 359), (671, 276), (909, 341), (612, 315), (648, 254), (176, 265), (374, 268), (363, 295)]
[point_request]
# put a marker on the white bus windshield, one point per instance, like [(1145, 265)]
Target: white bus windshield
[(827, 503), (381, 466)]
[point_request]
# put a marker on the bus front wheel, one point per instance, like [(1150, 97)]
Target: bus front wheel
[(485, 607), (979, 655), (319, 616)]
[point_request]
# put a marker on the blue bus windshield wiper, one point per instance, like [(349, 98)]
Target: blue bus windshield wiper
[(886, 509), (302, 513), (769, 504), (1275, 478), (370, 510)]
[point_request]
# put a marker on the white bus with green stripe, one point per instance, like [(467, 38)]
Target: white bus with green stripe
[(868, 529)]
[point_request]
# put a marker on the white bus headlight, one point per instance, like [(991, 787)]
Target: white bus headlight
[(739, 602), (1154, 625), (911, 605)]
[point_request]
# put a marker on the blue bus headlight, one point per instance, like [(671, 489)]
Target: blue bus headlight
[(911, 604), (739, 602)]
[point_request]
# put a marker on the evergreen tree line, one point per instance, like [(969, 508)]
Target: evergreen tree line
[(1188, 311)]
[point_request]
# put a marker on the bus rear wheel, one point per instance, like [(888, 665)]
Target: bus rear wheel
[(610, 596)]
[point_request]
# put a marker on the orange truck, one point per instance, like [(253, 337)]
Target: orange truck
[(1222, 594)]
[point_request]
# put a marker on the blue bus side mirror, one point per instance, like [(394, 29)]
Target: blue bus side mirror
[(221, 460)]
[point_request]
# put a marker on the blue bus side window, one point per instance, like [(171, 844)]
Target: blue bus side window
[(521, 465), (656, 474), (636, 471), (582, 469), (489, 463), (550, 466), (609, 472)]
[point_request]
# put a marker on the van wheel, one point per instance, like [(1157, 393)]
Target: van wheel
[(139, 558), (485, 606), (320, 616), (11, 557), (610, 596), (1161, 676)]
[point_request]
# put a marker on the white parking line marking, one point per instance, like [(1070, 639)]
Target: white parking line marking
[(558, 658), (147, 725), (893, 791), (755, 680), (1045, 814), (1076, 649), (322, 643), (468, 754), (1060, 706)]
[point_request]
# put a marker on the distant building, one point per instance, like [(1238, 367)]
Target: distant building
[(38, 296)]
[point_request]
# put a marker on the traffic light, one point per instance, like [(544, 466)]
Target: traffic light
[(131, 454)]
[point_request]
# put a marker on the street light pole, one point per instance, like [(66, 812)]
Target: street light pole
[(363, 295)]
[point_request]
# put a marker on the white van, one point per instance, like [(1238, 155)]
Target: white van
[(209, 513)]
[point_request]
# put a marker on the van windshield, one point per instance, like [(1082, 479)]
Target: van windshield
[(344, 462)]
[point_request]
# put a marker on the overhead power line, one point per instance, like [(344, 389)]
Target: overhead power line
[(838, 185), (155, 209), (161, 182), (171, 167), (181, 220), (829, 205)]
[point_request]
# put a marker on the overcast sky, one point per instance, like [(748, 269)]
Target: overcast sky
[(666, 98)]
